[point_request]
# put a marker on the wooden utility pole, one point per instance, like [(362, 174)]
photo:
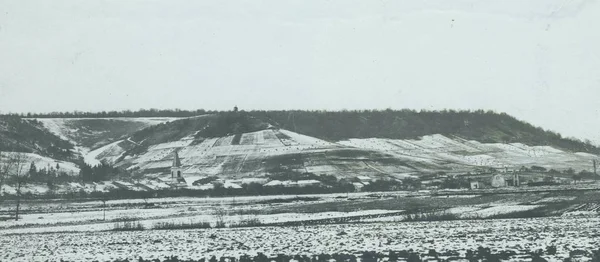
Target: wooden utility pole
[(594, 162)]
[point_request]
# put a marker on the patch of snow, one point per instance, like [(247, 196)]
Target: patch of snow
[(498, 210), (91, 158), (45, 162)]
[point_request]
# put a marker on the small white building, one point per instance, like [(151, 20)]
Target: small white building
[(476, 185)]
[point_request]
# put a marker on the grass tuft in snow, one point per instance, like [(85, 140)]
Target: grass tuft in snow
[(431, 216), (180, 225), (129, 226), (248, 222), (220, 224)]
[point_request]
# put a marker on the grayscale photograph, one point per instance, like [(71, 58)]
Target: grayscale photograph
[(299, 131)]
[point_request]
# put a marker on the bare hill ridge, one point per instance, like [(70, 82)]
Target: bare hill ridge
[(347, 143), (18, 135), (482, 126), (240, 144)]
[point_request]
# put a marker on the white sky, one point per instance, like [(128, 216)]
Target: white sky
[(538, 60)]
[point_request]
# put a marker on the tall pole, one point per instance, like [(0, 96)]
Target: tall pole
[(18, 198), (103, 209)]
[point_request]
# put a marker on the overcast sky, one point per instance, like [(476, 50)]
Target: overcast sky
[(538, 60)]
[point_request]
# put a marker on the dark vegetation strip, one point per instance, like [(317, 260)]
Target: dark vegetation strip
[(433, 216), (180, 225), (248, 222), (336, 220), (288, 200), (236, 139), (253, 189), (518, 191), (480, 254), (484, 126), (129, 226)]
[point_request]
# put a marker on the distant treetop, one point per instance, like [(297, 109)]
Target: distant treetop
[(124, 113)]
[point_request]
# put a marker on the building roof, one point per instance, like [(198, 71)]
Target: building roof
[(249, 180), (206, 186), (190, 180), (308, 182), (122, 183), (289, 183), (231, 185), (274, 183)]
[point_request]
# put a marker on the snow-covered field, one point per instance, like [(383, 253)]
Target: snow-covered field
[(519, 235), (61, 215), (93, 221), (311, 224), (67, 215)]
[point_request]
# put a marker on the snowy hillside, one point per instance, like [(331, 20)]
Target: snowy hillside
[(91, 136), (259, 153), (18, 135), (93, 132), (262, 152), (42, 162), (473, 153), (248, 145)]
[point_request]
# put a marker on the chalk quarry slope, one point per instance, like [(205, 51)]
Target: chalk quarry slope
[(266, 151), (91, 136), (470, 153), (95, 132), (259, 153)]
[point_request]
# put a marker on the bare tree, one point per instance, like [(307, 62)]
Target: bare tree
[(220, 214), (5, 167), (13, 163), (2, 174), (18, 163)]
